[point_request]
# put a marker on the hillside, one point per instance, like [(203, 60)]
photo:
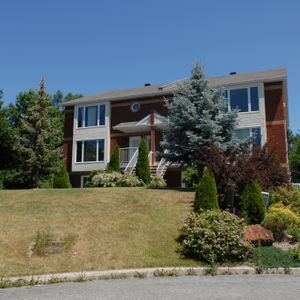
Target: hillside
[(113, 228)]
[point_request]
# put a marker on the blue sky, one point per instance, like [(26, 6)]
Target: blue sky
[(91, 46)]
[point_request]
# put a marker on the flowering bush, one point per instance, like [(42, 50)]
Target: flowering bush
[(157, 182), (280, 220), (113, 179), (214, 236)]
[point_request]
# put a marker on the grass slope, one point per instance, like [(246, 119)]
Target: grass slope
[(115, 228)]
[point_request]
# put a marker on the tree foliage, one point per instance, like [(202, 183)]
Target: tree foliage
[(114, 164), (294, 156), (61, 180), (40, 137), (197, 116), (142, 166), (253, 209), (206, 192)]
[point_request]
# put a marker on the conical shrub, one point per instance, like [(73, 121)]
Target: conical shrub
[(114, 164), (142, 166)]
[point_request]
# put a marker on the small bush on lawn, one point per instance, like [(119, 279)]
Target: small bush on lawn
[(157, 182), (296, 252), (271, 257), (114, 164), (114, 179), (288, 196), (253, 209), (206, 193), (42, 241), (61, 179), (214, 236), (191, 178), (142, 166), (281, 221)]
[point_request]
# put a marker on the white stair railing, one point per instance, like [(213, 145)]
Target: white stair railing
[(132, 163)]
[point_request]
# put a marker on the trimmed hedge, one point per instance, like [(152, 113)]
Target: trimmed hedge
[(61, 179), (206, 194), (253, 208), (142, 166)]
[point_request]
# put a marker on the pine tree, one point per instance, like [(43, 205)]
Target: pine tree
[(41, 137), (142, 166), (253, 209), (206, 193), (197, 117), (114, 164), (61, 179)]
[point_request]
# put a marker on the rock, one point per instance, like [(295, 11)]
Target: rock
[(258, 233), (31, 249)]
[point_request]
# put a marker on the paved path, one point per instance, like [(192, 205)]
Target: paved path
[(246, 287)]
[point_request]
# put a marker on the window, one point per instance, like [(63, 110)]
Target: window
[(244, 99), (93, 115), (244, 133), (90, 151), (135, 107)]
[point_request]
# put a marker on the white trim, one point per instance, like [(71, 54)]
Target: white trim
[(82, 150), (83, 116), (82, 180)]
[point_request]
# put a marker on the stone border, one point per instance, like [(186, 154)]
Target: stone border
[(139, 273)]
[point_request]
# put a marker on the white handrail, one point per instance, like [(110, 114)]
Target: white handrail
[(162, 166), (132, 163)]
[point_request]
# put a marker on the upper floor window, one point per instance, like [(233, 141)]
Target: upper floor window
[(244, 133), (92, 115), (243, 99)]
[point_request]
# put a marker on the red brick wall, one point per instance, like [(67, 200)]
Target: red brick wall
[(276, 119), (68, 137)]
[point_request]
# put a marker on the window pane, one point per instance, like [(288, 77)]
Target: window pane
[(79, 152), (90, 150), (239, 99), (257, 135), (102, 115), (100, 150), (242, 134), (254, 98), (79, 117), (91, 116)]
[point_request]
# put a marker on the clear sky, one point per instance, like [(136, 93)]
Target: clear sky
[(90, 46)]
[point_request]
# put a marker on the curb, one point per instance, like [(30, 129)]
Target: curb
[(139, 273)]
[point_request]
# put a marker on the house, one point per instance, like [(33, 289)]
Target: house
[(95, 124)]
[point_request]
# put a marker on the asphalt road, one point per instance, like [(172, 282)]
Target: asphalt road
[(231, 287)]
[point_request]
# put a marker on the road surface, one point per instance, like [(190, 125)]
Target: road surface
[(246, 287)]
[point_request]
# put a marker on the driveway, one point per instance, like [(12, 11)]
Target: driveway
[(231, 287)]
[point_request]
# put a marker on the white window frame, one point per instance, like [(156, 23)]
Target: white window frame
[(83, 116), (251, 133), (82, 180), (248, 87), (82, 151)]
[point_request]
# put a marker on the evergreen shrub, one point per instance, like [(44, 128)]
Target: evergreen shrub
[(282, 221), (206, 193), (157, 182), (214, 236), (253, 209), (61, 180), (142, 166), (114, 164)]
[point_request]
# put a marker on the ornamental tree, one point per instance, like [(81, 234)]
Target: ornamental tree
[(197, 117), (114, 164), (142, 166)]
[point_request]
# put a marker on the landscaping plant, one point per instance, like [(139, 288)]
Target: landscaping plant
[(114, 164), (253, 209), (157, 182), (114, 179), (61, 180), (214, 236), (142, 168), (282, 221), (206, 193)]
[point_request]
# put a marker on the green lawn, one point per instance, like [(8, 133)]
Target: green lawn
[(114, 228)]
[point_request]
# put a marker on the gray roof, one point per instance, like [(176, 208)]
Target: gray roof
[(168, 89)]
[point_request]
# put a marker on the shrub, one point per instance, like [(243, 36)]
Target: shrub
[(288, 196), (157, 182), (206, 193), (114, 179), (114, 164), (296, 252), (191, 179), (61, 179), (253, 209), (281, 220), (214, 236), (142, 166), (271, 257)]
